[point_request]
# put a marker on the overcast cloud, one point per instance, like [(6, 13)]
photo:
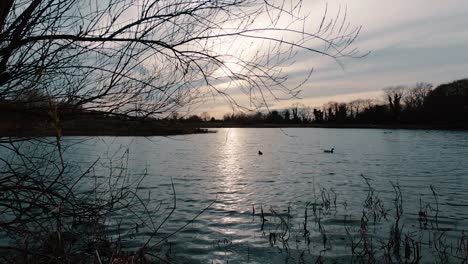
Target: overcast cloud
[(410, 41)]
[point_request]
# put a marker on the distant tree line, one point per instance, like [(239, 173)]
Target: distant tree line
[(447, 104)]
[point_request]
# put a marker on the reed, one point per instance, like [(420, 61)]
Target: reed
[(363, 240)]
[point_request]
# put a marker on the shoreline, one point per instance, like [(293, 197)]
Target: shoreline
[(339, 126), (126, 128), (102, 128), (201, 129)]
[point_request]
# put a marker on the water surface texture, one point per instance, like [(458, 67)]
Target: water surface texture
[(225, 167)]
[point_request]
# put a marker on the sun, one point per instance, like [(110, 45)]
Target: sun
[(230, 68)]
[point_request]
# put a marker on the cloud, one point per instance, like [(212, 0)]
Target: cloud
[(409, 41)]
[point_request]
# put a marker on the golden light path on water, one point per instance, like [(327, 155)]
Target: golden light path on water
[(231, 171)]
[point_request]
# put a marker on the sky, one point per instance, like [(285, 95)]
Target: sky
[(409, 42)]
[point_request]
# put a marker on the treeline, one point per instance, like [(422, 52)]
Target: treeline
[(35, 114), (34, 105), (447, 105)]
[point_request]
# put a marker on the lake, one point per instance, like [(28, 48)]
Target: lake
[(225, 168)]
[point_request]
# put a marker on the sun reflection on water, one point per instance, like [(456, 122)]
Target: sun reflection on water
[(230, 185), (230, 154)]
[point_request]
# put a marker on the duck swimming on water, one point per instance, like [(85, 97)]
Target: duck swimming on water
[(260, 153), (329, 151)]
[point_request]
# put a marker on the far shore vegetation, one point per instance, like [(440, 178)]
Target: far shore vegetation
[(420, 106)]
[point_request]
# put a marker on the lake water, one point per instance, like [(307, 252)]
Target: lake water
[(225, 168)]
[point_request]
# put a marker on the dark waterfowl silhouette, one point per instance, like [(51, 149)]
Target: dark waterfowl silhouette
[(260, 153), (329, 151)]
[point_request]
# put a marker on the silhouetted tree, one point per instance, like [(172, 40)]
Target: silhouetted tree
[(415, 96), (394, 96), (151, 58), (295, 112), (448, 104), (259, 117), (355, 107), (318, 115), (205, 116), (130, 58), (274, 117), (342, 112), (194, 118), (109, 54), (306, 114), (286, 115)]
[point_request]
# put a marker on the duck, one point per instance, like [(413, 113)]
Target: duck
[(260, 152), (329, 151)]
